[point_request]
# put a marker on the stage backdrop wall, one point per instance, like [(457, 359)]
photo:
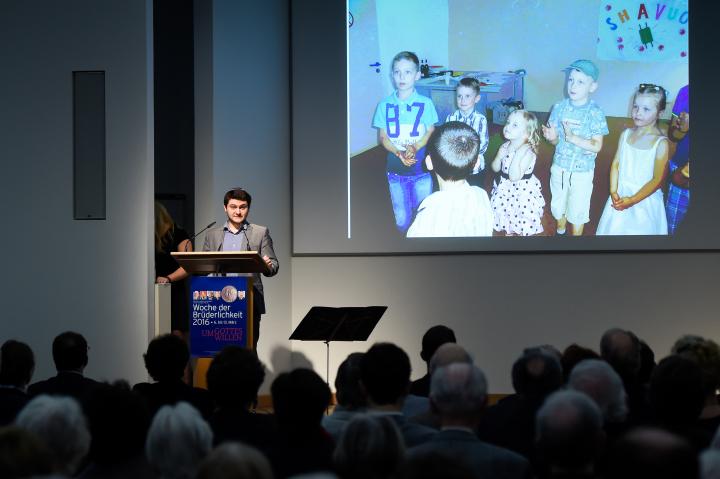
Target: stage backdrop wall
[(91, 276)]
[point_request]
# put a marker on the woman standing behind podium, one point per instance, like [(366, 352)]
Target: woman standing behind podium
[(168, 238)]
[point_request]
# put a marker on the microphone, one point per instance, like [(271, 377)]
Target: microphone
[(198, 233), (247, 240)]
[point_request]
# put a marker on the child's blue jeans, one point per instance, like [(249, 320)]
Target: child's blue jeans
[(406, 193)]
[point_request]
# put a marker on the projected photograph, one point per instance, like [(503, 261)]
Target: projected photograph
[(497, 118)]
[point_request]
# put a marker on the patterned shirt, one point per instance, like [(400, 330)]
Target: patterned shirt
[(477, 122), (591, 122)]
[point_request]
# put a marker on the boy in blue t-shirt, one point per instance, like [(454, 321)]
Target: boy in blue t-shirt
[(405, 120)]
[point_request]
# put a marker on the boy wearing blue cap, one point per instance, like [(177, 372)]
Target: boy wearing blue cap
[(576, 127)]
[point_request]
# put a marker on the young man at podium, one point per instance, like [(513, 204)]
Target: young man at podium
[(237, 234)]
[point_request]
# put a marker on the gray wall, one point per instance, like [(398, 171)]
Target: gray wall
[(60, 274)]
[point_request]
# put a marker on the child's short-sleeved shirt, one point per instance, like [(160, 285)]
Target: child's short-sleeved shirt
[(477, 122), (405, 122), (591, 122)]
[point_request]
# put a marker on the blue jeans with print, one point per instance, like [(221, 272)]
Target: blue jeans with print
[(406, 193)]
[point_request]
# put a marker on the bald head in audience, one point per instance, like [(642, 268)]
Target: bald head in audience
[(654, 453), (449, 353)]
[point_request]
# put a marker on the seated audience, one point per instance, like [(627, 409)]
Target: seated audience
[(569, 434), (165, 361), (70, 354), (23, 455), (572, 355), (511, 422), (623, 351), (431, 340), (119, 421), (603, 385), (234, 378), (458, 392), (17, 364), (58, 421), (433, 465), (178, 439), (385, 378), (232, 460), (676, 399), (370, 448), (300, 399), (652, 453), (349, 397), (706, 353)]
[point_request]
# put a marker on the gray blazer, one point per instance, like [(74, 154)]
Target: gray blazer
[(259, 240)]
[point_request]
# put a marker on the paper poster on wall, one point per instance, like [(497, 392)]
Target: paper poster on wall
[(641, 31)]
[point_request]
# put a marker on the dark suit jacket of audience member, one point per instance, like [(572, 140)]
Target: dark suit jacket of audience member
[(302, 452), (12, 400), (163, 393), (413, 433), (238, 424), (421, 387), (65, 383), (510, 424), (484, 459)]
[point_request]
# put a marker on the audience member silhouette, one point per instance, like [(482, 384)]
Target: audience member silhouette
[(370, 448), (602, 384), (431, 341), (677, 397), (623, 351), (652, 453), (17, 364), (706, 353), (234, 378), (569, 434), (385, 378), (433, 465), (178, 439), (300, 399), (458, 392), (119, 421), (511, 422), (572, 355), (165, 361), (58, 421), (70, 354), (233, 460), (23, 455), (348, 395)]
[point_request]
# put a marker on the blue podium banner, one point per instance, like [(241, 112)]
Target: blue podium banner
[(219, 310)]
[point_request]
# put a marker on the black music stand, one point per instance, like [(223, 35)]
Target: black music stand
[(326, 324)]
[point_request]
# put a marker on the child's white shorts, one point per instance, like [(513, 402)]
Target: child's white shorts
[(571, 192)]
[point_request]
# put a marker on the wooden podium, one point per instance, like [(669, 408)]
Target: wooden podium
[(213, 334)]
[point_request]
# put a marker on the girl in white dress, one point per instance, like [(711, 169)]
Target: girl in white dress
[(637, 172), (517, 200)]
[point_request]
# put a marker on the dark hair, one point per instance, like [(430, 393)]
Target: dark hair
[(17, 363), (470, 82), (235, 376), (622, 350), (385, 373), (676, 392), (434, 338), (118, 420), (406, 56), (237, 194), (166, 357), (655, 453), (300, 399), (453, 148), (572, 355), (347, 383), (536, 374), (70, 351)]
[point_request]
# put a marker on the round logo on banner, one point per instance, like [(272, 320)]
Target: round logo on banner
[(229, 293)]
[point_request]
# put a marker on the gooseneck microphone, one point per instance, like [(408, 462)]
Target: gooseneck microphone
[(198, 233)]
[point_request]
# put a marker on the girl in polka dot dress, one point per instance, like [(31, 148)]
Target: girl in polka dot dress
[(516, 200)]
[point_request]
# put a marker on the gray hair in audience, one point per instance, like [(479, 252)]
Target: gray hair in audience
[(59, 422), (458, 389), (599, 380), (710, 464), (178, 439), (449, 353), (233, 460), (371, 446), (568, 429)]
